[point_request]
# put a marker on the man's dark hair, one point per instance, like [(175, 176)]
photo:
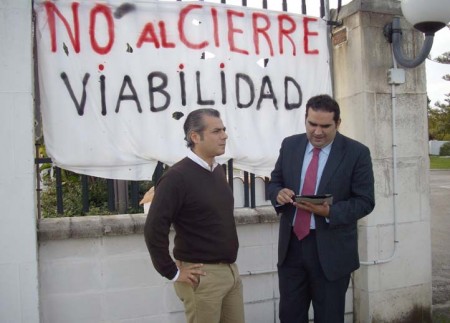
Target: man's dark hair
[(326, 103), (194, 123)]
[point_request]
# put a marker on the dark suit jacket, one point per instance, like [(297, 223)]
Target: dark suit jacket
[(348, 175)]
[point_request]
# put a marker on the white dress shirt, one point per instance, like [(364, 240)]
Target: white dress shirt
[(323, 157)]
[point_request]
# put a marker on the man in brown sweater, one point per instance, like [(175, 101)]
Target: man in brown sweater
[(194, 197)]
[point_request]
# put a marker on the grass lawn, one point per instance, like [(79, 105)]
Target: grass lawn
[(439, 162)]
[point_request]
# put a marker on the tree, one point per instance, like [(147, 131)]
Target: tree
[(439, 114), (439, 120)]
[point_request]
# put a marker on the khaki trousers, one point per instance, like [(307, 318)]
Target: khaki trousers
[(218, 298)]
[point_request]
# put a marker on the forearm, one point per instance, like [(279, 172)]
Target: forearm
[(157, 241)]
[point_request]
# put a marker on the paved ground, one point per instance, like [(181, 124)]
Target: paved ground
[(440, 244)]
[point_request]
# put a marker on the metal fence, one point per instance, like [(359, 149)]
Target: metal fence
[(121, 196)]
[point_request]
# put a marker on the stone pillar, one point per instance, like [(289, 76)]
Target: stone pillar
[(19, 300), (392, 121)]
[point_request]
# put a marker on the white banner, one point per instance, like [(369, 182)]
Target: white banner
[(117, 80)]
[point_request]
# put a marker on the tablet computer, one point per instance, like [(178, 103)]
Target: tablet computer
[(315, 199)]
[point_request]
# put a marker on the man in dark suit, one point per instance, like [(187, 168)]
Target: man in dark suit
[(317, 268)]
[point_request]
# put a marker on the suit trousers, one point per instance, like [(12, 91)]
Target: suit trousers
[(218, 297), (302, 281)]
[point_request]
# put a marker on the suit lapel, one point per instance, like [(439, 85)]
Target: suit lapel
[(334, 160), (297, 160)]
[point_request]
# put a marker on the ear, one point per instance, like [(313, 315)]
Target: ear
[(195, 137), (338, 123)]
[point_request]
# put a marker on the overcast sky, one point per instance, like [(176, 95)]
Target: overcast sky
[(436, 86)]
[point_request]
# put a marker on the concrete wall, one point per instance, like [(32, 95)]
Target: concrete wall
[(18, 247), (395, 284), (97, 269)]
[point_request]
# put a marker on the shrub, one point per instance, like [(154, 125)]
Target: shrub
[(445, 149), (72, 196)]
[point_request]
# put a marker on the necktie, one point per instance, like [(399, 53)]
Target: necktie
[(303, 218)]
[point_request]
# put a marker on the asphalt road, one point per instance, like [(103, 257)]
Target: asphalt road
[(440, 243)]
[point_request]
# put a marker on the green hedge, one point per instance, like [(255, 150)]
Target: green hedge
[(445, 149)]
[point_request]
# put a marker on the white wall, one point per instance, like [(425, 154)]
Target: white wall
[(98, 269), (435, 146), (18, 258)]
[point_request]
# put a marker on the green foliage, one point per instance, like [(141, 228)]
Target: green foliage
[(72, 195), (439, 120), (439, 115), (445, 149), (441, 317)]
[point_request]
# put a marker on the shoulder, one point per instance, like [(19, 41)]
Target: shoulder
[(340, 138), (294, 139), (183, 163), (176, 178), (351, 144), (178, 169)]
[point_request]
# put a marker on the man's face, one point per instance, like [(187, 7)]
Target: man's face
[(211, 142), (321, 128)]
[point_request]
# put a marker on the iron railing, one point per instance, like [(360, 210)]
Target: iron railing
[(131, 194)]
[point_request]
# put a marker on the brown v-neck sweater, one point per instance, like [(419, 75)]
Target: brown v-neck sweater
[(199, 203)]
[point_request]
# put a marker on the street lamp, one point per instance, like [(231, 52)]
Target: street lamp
[(426, 16)]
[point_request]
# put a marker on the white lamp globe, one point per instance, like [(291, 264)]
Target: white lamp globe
[(427, 16)]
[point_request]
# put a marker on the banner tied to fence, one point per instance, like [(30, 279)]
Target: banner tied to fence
[(118, 79)]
